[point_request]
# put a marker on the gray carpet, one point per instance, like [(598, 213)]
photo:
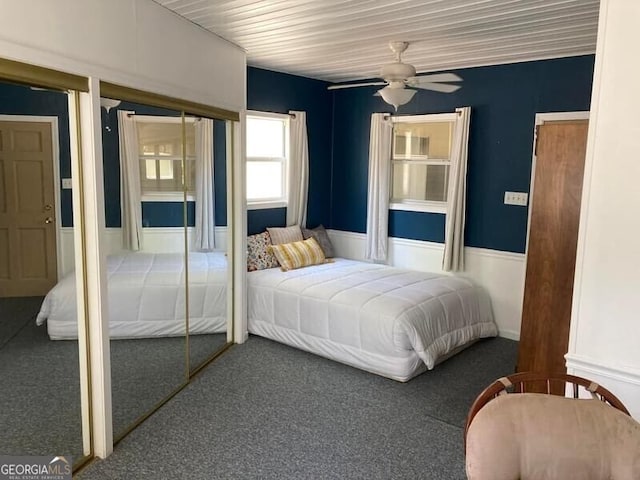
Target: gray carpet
[(264, 410), (40, 393)]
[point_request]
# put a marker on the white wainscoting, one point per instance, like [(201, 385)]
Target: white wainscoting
[(500, 273), (623, 382), (156, 240)]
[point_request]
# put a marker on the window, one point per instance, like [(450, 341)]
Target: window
[(160, 153), (420, 161), (267, 154)]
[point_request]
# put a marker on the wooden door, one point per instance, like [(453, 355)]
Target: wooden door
[(27, 228), (553, 236)]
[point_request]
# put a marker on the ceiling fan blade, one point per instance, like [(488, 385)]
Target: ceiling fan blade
[(437, 77), (351, 85), (437, 87)]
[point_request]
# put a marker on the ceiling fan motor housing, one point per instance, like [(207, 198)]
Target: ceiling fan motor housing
[(397, 71)]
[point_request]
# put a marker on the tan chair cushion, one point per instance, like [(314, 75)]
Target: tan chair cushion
[(535, 436)]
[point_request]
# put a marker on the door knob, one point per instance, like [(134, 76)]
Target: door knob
[(48, 220)]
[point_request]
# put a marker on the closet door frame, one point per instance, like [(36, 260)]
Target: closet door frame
[(88, 211)]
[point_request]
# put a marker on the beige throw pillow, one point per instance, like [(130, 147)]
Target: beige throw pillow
[(285, 234)]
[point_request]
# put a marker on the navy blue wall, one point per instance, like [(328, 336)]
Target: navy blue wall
[(269, 91), (157, 214), (19, 100), (504, 100)]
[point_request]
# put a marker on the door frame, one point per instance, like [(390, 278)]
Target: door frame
[(55, 151), (540, 119)]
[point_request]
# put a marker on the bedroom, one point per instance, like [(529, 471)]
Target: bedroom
[(319, 214)]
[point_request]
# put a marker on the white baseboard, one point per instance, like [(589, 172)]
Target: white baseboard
[(510, 334), (624, 383), (156, 240), (500, 273)]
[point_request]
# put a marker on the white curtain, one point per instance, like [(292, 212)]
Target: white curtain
[(378, 193), (205, 203), (298, 170), (131, 207), (453, 259)]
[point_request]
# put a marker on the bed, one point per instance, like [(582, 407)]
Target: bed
[(393, 322), (146, 294)]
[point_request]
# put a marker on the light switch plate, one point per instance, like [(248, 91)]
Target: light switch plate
[(66, 184), (516, 198)]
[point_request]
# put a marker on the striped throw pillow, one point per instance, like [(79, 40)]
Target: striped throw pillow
[(298, 254)]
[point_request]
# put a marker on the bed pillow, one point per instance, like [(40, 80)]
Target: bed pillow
[(285, 234), (321, 236), (298, 254), (258, 255)]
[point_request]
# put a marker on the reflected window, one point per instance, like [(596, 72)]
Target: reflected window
[(267, 159), (160, 151)]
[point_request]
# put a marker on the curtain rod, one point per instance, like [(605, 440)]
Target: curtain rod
[(197, 119)]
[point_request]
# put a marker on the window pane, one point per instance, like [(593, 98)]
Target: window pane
[(150, 170), (166, 149), (264, 180), (147, 149), (190, 177), (166, 169), (420, 182), (159, 138), (265, 137), (423, 140), (437, 183), (165, 139), (190, 139)]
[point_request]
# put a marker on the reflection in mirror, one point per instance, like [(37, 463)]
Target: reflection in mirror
[(208, 272), (40, 368), (145, 218)]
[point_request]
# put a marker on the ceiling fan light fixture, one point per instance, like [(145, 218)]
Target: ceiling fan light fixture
[(396, 96), (109, 103)]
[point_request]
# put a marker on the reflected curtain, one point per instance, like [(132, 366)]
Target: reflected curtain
[(131, 207), (378, 191), (205, 200), (453, 259), (298, 191)]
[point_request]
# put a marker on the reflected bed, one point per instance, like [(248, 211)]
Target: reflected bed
[(147, 296), (389, 321)]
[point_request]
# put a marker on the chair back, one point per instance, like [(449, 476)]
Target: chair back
[(532, 381)]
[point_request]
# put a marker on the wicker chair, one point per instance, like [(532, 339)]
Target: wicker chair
[(513, 433)]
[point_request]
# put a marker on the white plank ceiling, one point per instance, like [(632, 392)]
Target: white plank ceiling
[(337, 40)]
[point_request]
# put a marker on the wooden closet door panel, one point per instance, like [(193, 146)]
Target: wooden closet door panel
[(555, 215)]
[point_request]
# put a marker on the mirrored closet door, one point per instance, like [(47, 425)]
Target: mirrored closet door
[(42, 355), (169, 270), (146, 214), (209, 272)]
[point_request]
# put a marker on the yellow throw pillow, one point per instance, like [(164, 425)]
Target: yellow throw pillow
[(298, 254)]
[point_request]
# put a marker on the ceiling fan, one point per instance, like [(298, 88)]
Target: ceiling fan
[(398, 76)]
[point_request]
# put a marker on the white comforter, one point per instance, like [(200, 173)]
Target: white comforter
[(385, 320), (146, 294)]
